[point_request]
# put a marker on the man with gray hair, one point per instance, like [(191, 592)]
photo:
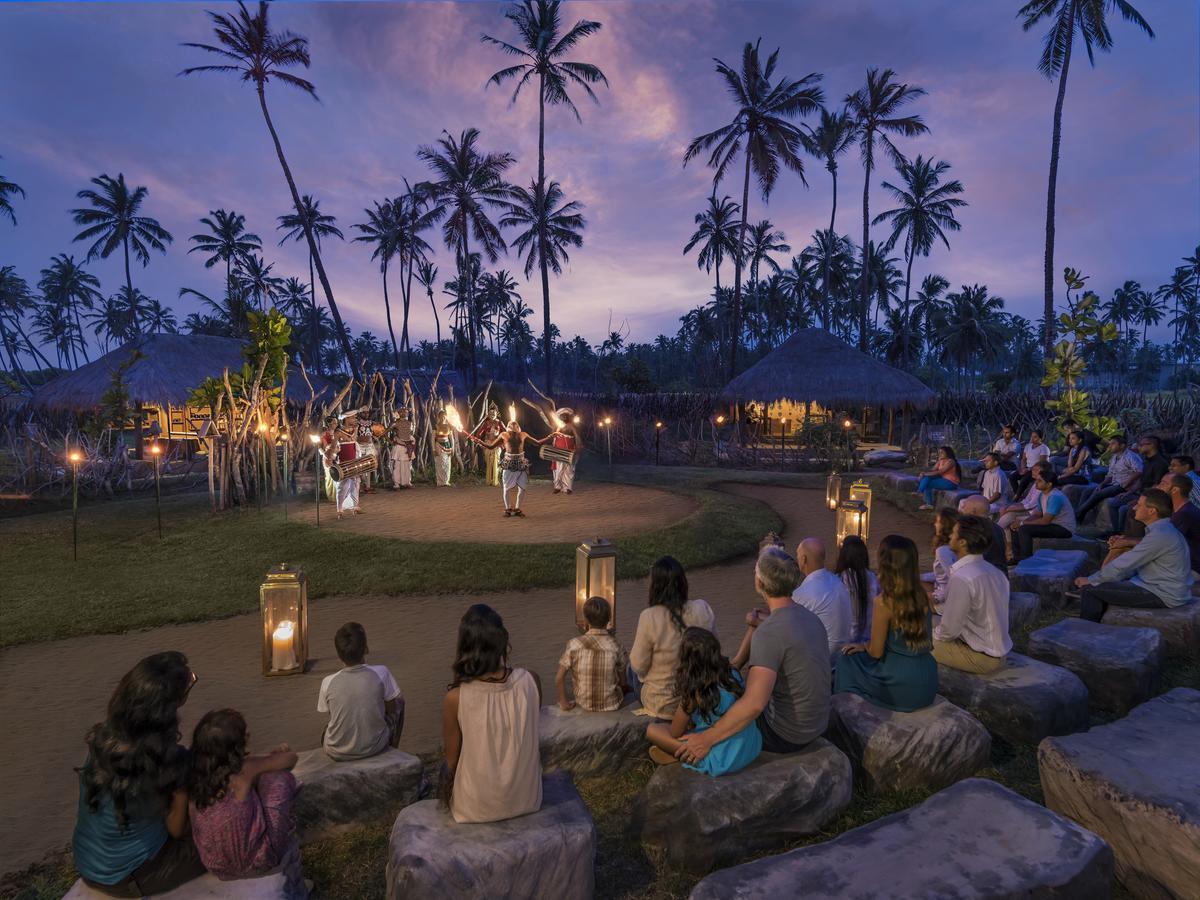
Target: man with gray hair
[(824, 594), (788, 683)]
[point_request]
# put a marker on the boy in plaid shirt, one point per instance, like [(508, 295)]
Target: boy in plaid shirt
[(596, 663)]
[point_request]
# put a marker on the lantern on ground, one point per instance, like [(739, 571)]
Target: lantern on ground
[(861, 491), (596, 576), (851, 520), (283, 601), (833, 490)]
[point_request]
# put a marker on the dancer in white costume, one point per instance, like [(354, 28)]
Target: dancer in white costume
[(343, 449), (443, 450), (514, 467), (403, 449), (565, 438)]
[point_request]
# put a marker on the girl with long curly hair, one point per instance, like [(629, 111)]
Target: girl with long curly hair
[(896, 669), (708, 685), (131, 835), (241, 805)]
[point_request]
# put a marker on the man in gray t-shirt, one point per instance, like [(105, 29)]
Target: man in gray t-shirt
[(787, 681), (365, 706)]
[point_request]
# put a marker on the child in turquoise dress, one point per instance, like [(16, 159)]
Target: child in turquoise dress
[(707, 685)]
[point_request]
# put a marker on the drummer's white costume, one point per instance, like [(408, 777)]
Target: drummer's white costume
[(565, 438)]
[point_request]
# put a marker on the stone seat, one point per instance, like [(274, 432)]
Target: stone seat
[(700, 821), (206, 887), (340, 796), (974, 839), (548, 853), (1023, 607), (1136, 783), (1023, 702), (1120, 666), (926, 749), (592, 743), (1095, 549), (950, 498), (1179, 626), (1049, 574), (901, 481), (885, 459)]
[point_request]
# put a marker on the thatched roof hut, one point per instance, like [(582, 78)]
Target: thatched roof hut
[(813, 366), (170, 367)]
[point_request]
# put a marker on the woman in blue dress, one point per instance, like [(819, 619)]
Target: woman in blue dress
[(896, 669), (708, 685)]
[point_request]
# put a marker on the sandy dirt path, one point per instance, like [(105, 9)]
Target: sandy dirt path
[(52, 693)]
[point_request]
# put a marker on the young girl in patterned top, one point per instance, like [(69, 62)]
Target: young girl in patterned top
[(241, 805)]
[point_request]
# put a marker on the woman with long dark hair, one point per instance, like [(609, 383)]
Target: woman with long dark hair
[(896, 668), (946, 475), (655, 651), (1079, 461), (131, 835), (854, 568), (493, 768)]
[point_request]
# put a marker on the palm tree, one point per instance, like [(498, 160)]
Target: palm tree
[(227, 240), (1187, 326), (973, 329), (931, 308), (9, 189), (416, 212), (470, 183), (158, 318), (292, 298), (1087, 17), (248, 47), (113, 220), (230, 311), (833, 255), (1177, 291), (320, 225), (15, 301), (796, 283), (542, 53), (1148, 310), (1121, 309), (427, 274), (762, 241), (252, 278), (924, 214), (133, 310), (827, 142), (52, 324), (65, 283), (761, 129), (382, 231), (875, 108)]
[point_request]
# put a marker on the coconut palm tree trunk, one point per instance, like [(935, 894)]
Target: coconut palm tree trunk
[(315, 338), (1055, 142), (865, 294), (735, 324), (542, 236), (826, 312), (437, 323), (387, 308), (904, 320), (466, 273), (11, 348), (314, 254)]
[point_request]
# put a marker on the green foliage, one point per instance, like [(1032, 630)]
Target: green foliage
[(634, 378), (207, 395), (270, 336), (114, 402), (1065, 367)]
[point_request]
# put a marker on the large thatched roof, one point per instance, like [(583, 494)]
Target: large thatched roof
[(170, 367), (814, 365)]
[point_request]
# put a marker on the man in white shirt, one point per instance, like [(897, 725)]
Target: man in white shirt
[(1035, 452), (1019, 512), (973, 634), (823, 593), (1124, 472), (993, 485), (1008, 448), (1052, 518)]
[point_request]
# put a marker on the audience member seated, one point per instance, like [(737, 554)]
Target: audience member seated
[(708, 686), (1124, 470), (946, 475), (1052, 518), (1154, 467), (364, 703), (1185, 516), (1154, 574), (1035, 452), (896, 670), (596, 663), (822, 593), (1017, 513), (787, 685), (131, 836), (854, 568), (943, 556), (1181, 464), (241, 805), (973, 633), (996, 552), (493, 767), (1078, 463), (993, 483), (655, 652), (1007, 448)]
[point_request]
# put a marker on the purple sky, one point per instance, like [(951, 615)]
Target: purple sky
[(91, 88)]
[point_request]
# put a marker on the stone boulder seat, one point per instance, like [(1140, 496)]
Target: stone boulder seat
[(1049, 574), (926, 749), (974, 839), (951, 498), (1179, 625), (1136, 783), (1022, 703), (885, 459), (548, 853), (1120, 666), (587, 744), (338, 796), (207, 887), (1095, 549), (900, 481), (1023, 607), (700, 821)]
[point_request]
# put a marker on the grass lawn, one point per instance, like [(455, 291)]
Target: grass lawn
[(208, 567)]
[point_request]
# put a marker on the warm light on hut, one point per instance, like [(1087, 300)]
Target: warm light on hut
[(833, 490), (596, 576), (851, 519), (283, 601), (861, 491)]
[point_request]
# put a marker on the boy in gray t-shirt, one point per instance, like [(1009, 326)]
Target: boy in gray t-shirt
[(365, 706), (791, 642)]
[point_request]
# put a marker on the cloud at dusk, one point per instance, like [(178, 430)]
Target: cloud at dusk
[(92, 88)]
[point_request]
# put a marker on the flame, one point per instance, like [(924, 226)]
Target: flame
[(454, 418), (512, 412)]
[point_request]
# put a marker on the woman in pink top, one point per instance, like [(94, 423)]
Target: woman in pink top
[(945, 475)]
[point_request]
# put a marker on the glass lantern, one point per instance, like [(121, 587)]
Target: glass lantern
[(596, 576), (861, 491), (833, 490), (851, 519), (283, 600)]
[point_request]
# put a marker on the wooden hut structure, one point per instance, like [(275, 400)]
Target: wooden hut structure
[(814, 374)]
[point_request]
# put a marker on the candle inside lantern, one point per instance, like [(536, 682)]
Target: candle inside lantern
[(283, 648)]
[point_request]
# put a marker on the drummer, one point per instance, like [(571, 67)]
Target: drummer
[(567, 438), (341, 449)]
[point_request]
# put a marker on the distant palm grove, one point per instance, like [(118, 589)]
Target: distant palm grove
[(869, 278)]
